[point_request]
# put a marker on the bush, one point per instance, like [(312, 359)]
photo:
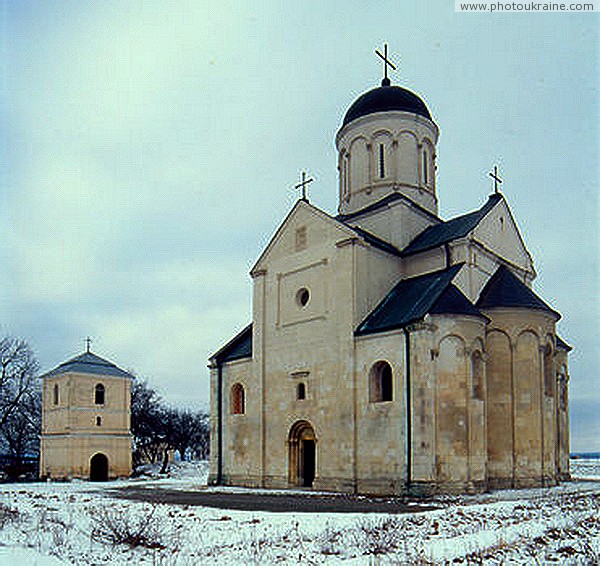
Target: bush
[(8, 515), (125, 526), (377, 537)]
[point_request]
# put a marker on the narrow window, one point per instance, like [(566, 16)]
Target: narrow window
[(98, 421), (425, 176), (477, 373), (56, 394), (562, 383), (548, 373), (381, 161), (301, 240), (381, 386), (301, 391), (345, 175), (238, 401), (99, 394)]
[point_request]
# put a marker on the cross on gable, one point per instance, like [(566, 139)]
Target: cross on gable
[(303, 184), (386, 63), (497, 180), (88, 342)]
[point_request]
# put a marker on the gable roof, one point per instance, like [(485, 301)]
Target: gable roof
[(382, 204), (375, 241), (240, 346), (451, 229), (90, 364), (411, 299), (504, 289)]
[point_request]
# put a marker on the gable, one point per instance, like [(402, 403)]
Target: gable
[(498, 232), (452, 229), (318, 228)]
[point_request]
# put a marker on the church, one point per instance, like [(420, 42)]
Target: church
[(391, 351)]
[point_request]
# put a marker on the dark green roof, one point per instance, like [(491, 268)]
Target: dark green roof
[(452, 301), (411, 299), (385, 99), (240, 346), (88, 363), (450, 230), (504, 289)]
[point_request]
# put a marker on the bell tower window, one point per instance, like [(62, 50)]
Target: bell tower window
[(425, 167), (381, 161), (99, 394)]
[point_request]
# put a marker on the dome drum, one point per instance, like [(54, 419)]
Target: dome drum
[(384, 152)]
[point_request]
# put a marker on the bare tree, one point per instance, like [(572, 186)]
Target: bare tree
[(18, 366), (158, 428), (20, 433), (146, 422)]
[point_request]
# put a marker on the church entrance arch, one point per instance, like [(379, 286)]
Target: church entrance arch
[(302, 454), (99, 467)]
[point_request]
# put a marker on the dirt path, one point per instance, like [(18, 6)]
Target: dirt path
[(276, 503)]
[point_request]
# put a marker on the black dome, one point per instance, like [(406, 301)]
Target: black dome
[(383, 99)]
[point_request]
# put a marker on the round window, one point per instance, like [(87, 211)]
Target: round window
[(302, 297)]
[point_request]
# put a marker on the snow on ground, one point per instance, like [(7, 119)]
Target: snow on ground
[(83, 523)]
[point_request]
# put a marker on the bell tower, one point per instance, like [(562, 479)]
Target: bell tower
[(86, 409)]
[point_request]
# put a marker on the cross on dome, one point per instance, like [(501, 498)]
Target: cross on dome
[(386, 63)]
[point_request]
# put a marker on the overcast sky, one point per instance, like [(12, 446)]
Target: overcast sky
[(148, 151)]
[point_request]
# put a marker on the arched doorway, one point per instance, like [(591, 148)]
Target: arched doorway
[(99, 467), (302, 454)]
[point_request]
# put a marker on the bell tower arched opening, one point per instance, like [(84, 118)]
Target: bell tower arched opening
[(99, 467)]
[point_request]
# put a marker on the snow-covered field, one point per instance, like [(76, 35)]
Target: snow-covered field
[(84, 523)]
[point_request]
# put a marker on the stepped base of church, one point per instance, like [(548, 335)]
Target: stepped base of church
[(390, 487)]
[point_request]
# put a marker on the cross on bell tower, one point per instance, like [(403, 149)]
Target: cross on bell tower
[(386, 63)]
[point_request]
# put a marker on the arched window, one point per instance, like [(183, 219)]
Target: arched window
[(56, 394), (425, 167), (99, 394), (380, 382), (238, 401), (98, 421), (477, 373), (301, 391)]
